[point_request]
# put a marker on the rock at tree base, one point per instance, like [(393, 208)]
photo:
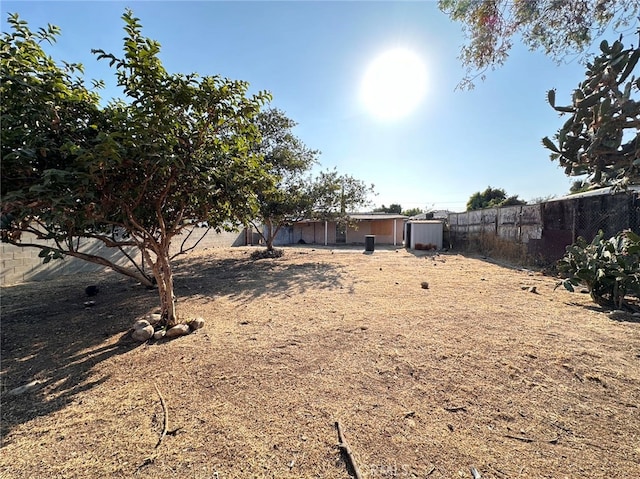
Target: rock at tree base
[(178, 330), (141, 323), (142, 334), (159, 334), (197, 323)]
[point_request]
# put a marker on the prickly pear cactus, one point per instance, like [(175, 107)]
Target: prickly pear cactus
[(601, 138)]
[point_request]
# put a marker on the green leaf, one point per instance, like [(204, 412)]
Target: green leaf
[(589, 100), (633, 236), (551, 98), (547, 143)]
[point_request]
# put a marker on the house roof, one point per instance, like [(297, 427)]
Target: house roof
[(435, 214), (600, 191), (376, 216), (365, 217)]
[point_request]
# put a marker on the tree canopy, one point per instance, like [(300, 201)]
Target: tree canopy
[(558, 28), (492, 198), (392, 208), (335, 195), (413, 211), (177, 149), (287, 198), (601, 137)]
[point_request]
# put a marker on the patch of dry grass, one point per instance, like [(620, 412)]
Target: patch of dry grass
[(472, 372)]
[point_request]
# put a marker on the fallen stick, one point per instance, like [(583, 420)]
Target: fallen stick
[(165, 425), (519, 438), (26, 388), (347, 451), (455, 408)]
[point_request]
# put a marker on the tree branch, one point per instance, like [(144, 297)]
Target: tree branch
[(91, 258), (184, 251)]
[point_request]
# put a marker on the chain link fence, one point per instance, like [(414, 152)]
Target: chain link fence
[(609, 213), (539, 234)]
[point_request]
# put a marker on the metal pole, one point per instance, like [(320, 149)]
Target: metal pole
[(394, 231), (326, 232)]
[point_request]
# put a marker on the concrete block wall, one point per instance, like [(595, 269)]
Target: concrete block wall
[(224, 239), (20, 264), (16, 262)]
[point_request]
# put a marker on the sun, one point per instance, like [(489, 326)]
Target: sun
[(394, 84)]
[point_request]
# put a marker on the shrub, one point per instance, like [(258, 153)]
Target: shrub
[(610, 268), (265, 254)]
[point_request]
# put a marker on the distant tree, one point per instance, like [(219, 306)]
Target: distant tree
[(558, 28), (512, 201), (288, 197), (335, 195), (491, 198), (541, 199), (602, 136), (413, 212), (134, 173), (393, 208)]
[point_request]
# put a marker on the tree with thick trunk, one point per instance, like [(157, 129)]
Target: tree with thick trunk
[(175, 150)]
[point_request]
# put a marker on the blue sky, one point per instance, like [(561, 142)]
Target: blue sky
[(312, 56)]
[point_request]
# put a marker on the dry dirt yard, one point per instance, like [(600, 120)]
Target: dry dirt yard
[(475, 372)]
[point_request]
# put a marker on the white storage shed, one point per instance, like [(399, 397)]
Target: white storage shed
[(423, 234)]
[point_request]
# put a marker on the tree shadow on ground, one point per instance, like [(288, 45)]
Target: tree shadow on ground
[(245, 279), (51, 340)]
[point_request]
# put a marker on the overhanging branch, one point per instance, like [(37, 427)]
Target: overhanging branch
[(190, 248), (91, 258)]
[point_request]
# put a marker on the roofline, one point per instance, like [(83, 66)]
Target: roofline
[(361, 217), (607, 190)]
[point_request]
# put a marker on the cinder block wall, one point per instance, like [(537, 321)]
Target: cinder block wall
[(20, 264)]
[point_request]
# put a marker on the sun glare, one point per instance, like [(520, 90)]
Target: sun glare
[(394, 84)]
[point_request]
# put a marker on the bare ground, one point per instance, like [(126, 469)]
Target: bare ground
[(473, 372)]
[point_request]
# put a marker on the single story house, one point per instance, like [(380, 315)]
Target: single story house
[(387, 228)]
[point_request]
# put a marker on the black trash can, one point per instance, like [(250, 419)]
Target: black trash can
[(369, 243)]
